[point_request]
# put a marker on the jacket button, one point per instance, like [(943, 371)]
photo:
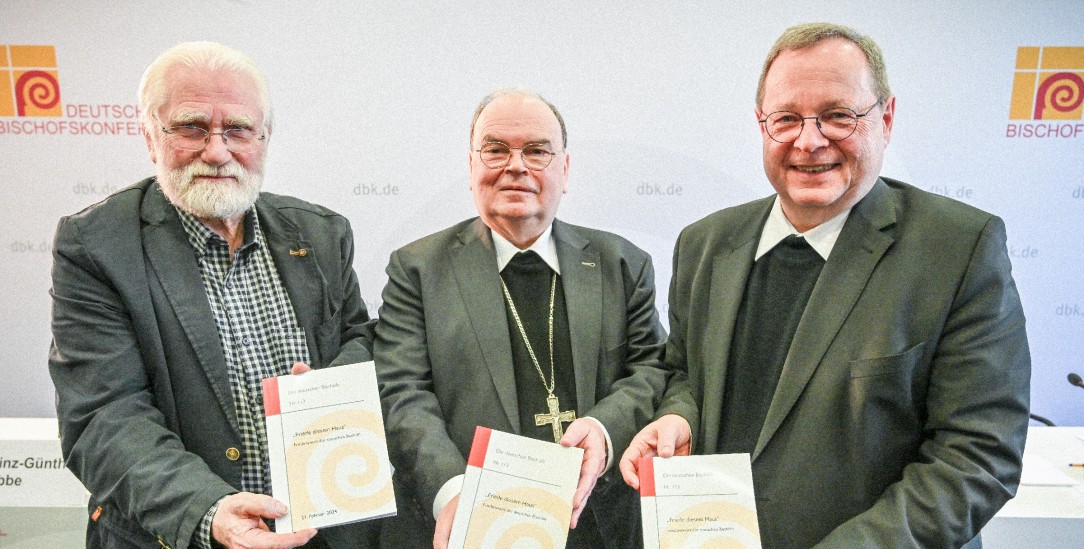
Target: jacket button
[(233, 454)]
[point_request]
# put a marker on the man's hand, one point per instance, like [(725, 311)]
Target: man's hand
[(667, 436), (238, 523), (299, 368), (443, 531), (587, 434)]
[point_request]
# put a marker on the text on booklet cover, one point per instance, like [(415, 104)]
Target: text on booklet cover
[(698, 501), (516, 490)]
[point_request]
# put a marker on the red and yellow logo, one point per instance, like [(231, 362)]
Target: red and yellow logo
[(1048, 84), (28, 81)]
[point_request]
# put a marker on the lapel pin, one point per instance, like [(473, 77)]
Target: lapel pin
[(589, 264), (300, 252)]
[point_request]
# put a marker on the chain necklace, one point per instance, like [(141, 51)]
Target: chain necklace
[(549, 386), (555, 415)]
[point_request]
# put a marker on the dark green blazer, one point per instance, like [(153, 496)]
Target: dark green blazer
[(444, 356), (143, 398), (900, 415)]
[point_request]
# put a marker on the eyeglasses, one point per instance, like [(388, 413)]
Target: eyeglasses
[(495, 154), (834, 124), (195, 138)]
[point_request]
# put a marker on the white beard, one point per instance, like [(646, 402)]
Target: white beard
[(211, 200)]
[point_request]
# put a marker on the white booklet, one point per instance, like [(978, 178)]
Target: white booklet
[(326, 445), (516, 490), (698, 501)]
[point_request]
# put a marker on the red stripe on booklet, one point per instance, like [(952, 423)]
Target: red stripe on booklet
[(647, 477), (271, 397), (478, 448)]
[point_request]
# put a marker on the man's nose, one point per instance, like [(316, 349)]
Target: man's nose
[(811, 137), (516, 162), (216, 153)]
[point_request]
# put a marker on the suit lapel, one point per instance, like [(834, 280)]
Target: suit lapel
[(174, 264), (295, 261), (856, 254), (581, 279), (730, 272), (475, 265)]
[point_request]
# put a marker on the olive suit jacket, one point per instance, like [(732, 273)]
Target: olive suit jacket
[(146, 413), (444, 357), (900, 415)]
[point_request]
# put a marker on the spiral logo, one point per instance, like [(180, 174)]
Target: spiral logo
[(339, 469), (1063, 92), (38, 89)]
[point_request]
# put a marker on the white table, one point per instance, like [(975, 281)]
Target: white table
[(1044, 514)]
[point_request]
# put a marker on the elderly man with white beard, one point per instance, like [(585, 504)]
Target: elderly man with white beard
[(174, 298)]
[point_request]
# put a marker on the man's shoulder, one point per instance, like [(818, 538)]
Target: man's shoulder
[(109, 222), (439, 242), (117, 204), (729, 220), (929, 209), (291, 205), (606, 242)]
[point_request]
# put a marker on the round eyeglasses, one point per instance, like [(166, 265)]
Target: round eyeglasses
[(834, 124), (496, 155), (195, 138)]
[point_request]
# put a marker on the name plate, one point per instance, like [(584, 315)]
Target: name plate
[(32, 471)]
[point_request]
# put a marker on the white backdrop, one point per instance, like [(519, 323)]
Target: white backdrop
[(373, 102)]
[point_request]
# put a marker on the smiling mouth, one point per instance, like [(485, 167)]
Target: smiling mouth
[(820, 168)]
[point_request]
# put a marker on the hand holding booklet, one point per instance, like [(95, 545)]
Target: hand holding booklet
[(516, 489), (698, 501), (326, 446)]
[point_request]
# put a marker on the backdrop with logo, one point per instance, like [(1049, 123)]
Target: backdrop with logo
[(373, 102)]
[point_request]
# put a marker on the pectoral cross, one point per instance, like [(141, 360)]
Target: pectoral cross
[(555, 417)]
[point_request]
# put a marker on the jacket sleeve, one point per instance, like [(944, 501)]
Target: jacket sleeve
[(355, 327), (641, 379), (424, 455), (977, 407), (680, 397), (114, 438)]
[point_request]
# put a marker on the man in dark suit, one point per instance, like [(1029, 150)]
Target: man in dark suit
[(174, 298), (863, 340), (451, 354)]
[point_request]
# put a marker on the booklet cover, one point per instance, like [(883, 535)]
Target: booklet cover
[(698, 501), (516, 490), (326, 445)]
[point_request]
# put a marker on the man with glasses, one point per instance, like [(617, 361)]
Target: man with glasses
[(519, 322), (863, 340), (174, 298)]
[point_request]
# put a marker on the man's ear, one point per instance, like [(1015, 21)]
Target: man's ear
[(151, 150)]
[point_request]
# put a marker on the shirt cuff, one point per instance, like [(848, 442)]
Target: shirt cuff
[(203, 538), (609, 444), (450, 490)]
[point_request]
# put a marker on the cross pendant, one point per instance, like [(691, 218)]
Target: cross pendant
[(555, 417)]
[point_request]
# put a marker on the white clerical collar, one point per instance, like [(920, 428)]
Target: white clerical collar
[(544, 246), (821, 238)]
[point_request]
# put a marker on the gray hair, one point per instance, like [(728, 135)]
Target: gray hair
[(153, 88), (518, 92), (805, 35)]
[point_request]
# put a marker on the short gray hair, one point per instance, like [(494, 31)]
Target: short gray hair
[(518, 92), (807, 34), (198, 55)]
